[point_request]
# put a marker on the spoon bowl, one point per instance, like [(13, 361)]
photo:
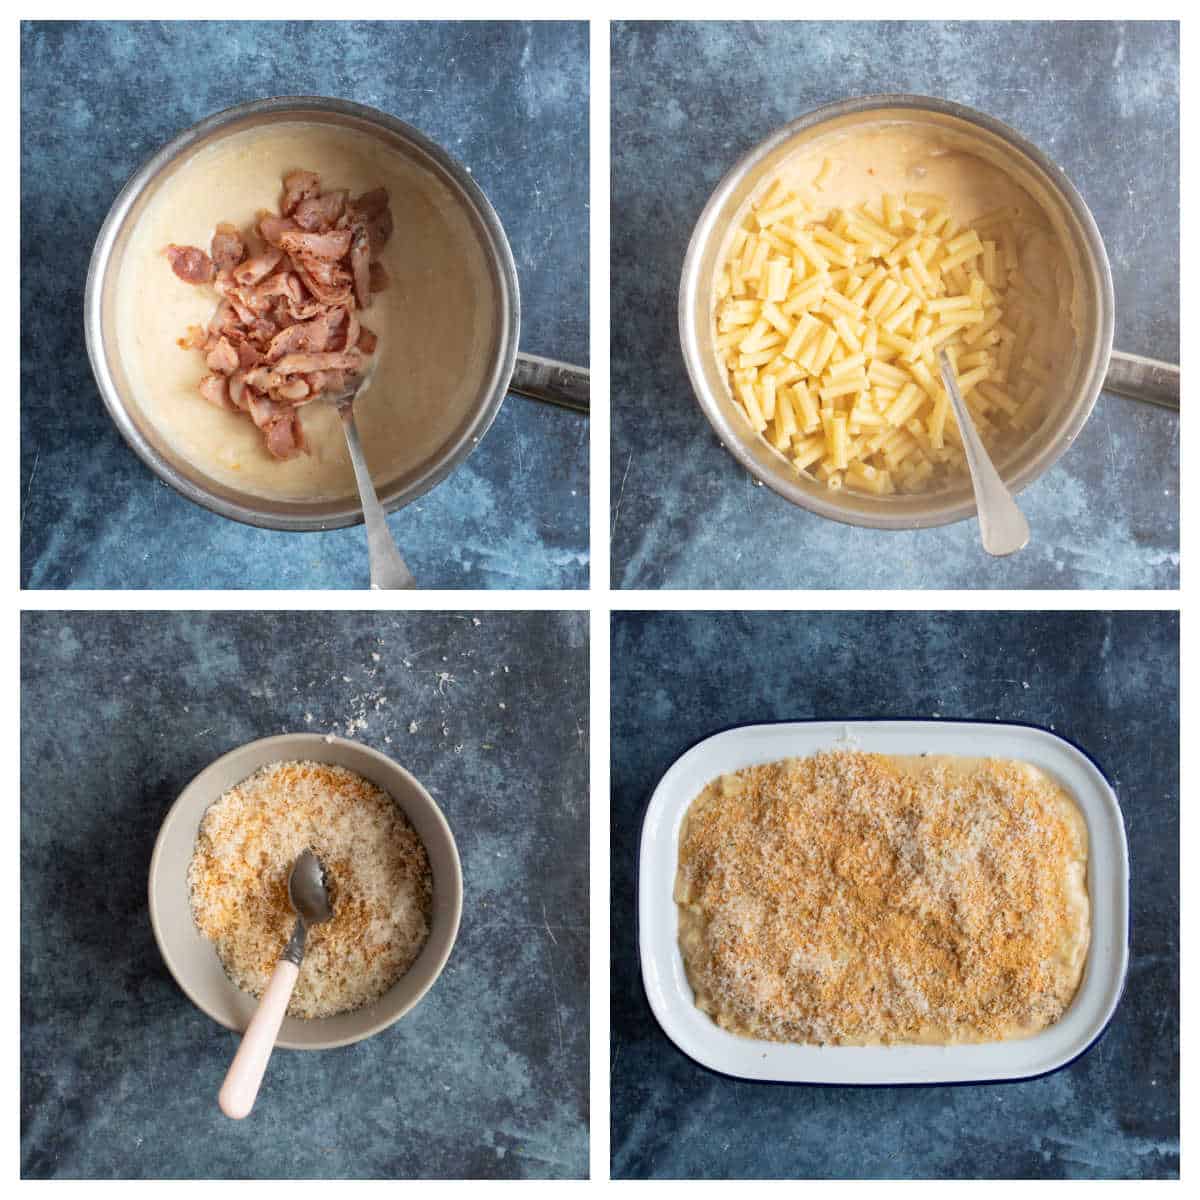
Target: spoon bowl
[(306, 890)]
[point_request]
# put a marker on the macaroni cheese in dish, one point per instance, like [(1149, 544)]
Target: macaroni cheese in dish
[(862, 899), (855, 262)]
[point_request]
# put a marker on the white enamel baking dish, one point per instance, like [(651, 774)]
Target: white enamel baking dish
[(698, 1037)]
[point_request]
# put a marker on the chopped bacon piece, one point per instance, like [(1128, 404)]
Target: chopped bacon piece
[(292, 390), (238, 391), (285, 437), (320, 213), (286, 329), (215, 389), (379, 277), (191, 264), (333, 294), (258, 267), (262, 411), (298, 186), (301, 364), (379, 230), (331, 246), (307, 335), (222, 358), (271, 228), (228, 249)]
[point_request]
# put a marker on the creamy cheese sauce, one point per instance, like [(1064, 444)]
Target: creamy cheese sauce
[(435, 322)]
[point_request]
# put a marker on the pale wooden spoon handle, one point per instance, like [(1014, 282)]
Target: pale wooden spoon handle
[(245, 1075)]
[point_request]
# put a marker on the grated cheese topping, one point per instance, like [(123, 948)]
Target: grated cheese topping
[(855, 899), (376, 871)]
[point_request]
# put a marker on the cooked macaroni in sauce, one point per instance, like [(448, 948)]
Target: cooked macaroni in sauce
[(860, 259)]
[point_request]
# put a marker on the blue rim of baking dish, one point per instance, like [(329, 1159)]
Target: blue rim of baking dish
[(637, 920)]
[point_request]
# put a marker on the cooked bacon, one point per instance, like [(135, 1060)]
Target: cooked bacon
[(238, 390), (271, 228), (311, 335), (379, 230), (291, 391), (285, 437), (331, 246), (334, 294), (262, 411), (284, 285), (379, 277), (327, 272), (302, 364), (222, 358), (320, 213), (258, 267), (360, 265), (298, 186), (228, 249), (286, 329), (190, 263), (215, 389)]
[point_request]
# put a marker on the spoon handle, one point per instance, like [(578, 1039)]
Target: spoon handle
[(552, 382), (1002, 525), (245, 1074), (1144, 379), (389, 571)]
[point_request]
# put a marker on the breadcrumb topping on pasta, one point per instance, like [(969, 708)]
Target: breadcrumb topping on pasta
[(853, 898)]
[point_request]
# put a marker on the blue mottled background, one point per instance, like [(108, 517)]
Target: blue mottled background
[(487, 1077), (690, 98), (1110, 683), (508, 100)]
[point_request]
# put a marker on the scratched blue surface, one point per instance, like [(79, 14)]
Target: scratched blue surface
[(690, 98), (509, 100), (487, 1077), (1110, 683)]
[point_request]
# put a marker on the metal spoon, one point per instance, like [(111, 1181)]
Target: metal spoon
[(310, 900), (1002, 526), (389, 571)]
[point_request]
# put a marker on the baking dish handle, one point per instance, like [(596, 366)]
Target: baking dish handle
[(1144, 379), (552, 382)]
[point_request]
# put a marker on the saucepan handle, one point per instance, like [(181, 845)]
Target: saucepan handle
[(552, 382), (1143, 379)]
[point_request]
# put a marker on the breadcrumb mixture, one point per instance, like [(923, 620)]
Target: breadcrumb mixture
[(376, 869), (855, 898)]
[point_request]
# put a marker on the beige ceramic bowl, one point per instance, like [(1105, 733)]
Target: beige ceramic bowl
[(193, 961)]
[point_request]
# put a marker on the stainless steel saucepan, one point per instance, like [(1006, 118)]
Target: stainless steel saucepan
[(509, 371), (1096, 365)]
